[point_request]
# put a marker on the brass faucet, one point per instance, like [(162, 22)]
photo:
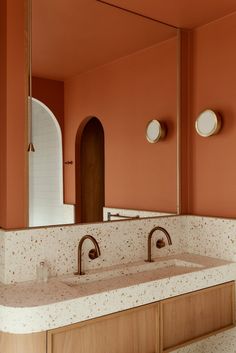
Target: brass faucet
[(93, 253), (160, 242)]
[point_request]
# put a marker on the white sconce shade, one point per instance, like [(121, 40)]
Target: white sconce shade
[(208, 123), (155, 131)]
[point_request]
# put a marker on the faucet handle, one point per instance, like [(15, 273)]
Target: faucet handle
[(160, 243), (93, 254)]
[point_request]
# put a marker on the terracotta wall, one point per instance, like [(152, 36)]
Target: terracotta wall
[(125, 95), (13, 115), (2, 110), (212, 167), (51, 93)]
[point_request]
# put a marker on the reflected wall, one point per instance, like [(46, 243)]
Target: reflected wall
[(121, 68), (125, 95)]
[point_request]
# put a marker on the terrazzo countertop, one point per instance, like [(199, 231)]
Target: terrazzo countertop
[(33, 307)]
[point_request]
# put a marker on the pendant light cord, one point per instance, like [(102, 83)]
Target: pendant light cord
[(30, 134)]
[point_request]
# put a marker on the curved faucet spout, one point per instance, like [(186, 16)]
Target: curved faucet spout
[(93, 253), (149, 258)]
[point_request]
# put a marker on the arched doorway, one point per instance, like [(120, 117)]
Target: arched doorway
[(90, 171), (46, 205)]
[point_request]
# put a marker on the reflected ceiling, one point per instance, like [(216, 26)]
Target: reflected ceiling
[(180, 13), (105, 33)]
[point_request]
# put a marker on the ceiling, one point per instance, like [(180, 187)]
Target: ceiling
[(180, 13)]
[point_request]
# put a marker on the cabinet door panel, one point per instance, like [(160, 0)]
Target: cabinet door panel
[(200, 313), (31, 343), (132, 331)]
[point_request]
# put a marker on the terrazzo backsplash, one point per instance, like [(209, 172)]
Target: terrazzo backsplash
[(2, 256), (209, 236), (120, 242)]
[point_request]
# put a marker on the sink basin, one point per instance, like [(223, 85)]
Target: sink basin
[(127, 270)]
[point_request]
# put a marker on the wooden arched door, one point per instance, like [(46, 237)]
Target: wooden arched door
[(90, 172)]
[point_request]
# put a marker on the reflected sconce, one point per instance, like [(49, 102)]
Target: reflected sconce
[(155, 131), (29, 31), (208, 123)]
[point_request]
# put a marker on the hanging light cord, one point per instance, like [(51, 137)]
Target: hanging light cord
[(30, 134)]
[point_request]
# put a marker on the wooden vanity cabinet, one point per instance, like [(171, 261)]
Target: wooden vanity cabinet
[(155, 328), (192, 316), (130, 331)]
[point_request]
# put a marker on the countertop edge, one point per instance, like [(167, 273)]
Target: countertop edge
[(26, 320)]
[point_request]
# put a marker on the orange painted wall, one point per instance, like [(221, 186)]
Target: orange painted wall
[(3, 78), (13, 115), (125, 95), (51, 93), (212, 164)]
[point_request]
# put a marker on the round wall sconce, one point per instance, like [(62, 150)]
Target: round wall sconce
[(155, 131), (208, 123)]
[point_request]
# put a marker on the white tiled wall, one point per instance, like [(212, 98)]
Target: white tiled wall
[(45, 171)]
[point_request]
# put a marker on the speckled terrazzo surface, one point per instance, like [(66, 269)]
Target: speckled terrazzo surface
[(33, 307), (223, 342), (121, 242), (21, 251), (209, 236)]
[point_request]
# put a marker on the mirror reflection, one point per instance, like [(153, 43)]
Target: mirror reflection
[(99, 74)]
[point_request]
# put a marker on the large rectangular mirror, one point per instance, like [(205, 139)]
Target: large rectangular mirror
[(99, 75)]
